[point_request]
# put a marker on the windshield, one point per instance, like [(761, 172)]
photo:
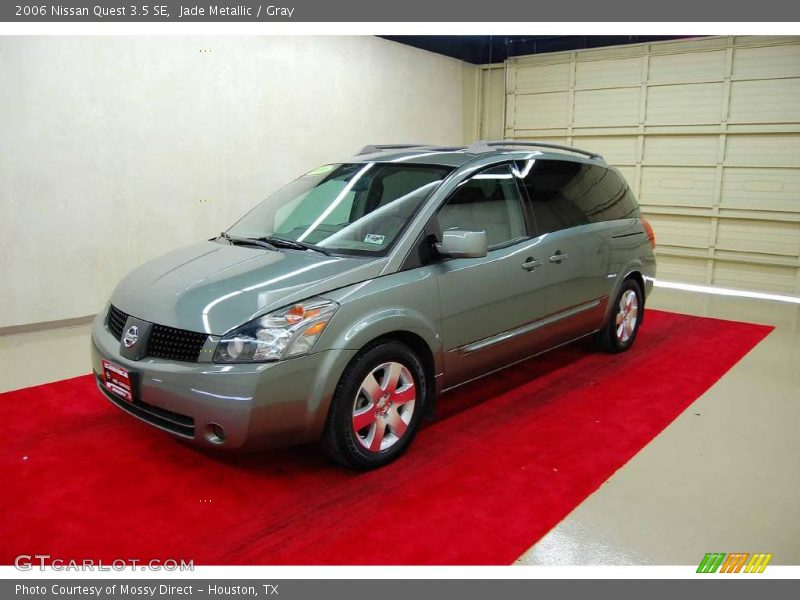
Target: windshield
[(358, 208)]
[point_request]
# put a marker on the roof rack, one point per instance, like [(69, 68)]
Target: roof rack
[(481, 147), (378, 147)]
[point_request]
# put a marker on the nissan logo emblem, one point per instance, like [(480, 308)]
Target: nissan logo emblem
[(131, 336)]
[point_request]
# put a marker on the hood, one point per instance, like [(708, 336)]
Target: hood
[(212, 287)]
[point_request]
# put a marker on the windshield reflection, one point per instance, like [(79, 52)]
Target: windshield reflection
[(353, 208)]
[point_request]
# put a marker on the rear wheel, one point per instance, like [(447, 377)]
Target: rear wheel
[(376, 408), (623, 322)]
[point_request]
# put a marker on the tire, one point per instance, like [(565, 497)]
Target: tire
[(624, 320), (377, 406)]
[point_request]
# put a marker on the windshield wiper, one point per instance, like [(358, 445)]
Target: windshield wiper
[(294, 244), (251, 241)]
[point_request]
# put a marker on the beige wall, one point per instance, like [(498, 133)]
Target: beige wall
[(114, 150), (484, 95)]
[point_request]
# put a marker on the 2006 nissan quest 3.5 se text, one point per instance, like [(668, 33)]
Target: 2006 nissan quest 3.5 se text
[(339, 308)]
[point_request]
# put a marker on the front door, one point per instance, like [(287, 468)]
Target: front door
[(490, 305)]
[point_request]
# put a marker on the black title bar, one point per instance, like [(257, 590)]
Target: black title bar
[(399, 11)]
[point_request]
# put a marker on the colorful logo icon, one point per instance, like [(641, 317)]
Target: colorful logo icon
[(736, 562)]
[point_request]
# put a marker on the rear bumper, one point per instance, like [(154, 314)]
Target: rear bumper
[(257, 405)]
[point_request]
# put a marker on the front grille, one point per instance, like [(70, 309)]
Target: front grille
[(165, 342), (116, 321), (175, 344), (160, 417)]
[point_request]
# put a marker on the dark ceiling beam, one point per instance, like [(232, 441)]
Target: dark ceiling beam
[(485, 49)]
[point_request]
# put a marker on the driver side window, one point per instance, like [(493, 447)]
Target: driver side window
[(489, 201)]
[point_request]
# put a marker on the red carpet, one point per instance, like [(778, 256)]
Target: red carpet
[(507, 459)]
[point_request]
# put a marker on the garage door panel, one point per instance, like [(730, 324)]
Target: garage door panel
[(768, 150), (539, 79), (678, 268), (755, 277), (617, 150), (678, 186), (770, 61), (762, 237), (691, 66), (761, 189), (535, 111), (707, 133), (681, 231), (607, 107), (629, 173), (545, 139), (681, 150), (609, 73), (696, 103), (767, 101)]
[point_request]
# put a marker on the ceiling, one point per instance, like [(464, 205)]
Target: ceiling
[(485, 49)]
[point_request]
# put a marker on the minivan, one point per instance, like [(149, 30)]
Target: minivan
[(338, 309)]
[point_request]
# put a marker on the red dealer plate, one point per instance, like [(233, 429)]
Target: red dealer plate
[(117, 381)]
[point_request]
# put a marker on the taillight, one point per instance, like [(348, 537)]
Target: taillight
[(649, 231)]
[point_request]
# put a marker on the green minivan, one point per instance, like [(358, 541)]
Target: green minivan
[(342, 306)]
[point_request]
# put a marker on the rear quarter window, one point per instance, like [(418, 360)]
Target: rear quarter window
[(566, 194)]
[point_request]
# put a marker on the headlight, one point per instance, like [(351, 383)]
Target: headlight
[(287, 332)]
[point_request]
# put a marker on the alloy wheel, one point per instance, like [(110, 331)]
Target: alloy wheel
[(627, 315), (383, 406)]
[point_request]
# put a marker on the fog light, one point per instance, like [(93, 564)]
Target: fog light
[(215, 433)]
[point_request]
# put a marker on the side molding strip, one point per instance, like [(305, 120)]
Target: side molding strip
[(507, 335)]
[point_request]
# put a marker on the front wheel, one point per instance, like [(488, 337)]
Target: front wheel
[(623, 322), (376, 408)]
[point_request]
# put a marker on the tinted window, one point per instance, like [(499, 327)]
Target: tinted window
[(490, 202), (567, 194)]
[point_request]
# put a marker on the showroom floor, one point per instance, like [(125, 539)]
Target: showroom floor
[(722, 477)]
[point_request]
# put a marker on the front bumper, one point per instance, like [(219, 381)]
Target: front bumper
[(263, 405)]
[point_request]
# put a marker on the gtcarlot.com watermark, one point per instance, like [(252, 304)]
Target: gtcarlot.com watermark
[(43, 562)]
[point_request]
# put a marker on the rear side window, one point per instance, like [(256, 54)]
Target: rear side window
[(566, 194)]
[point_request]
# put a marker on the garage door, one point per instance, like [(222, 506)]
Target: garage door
[(707, 131)]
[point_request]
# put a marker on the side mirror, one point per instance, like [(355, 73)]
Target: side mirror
[(459, 243)]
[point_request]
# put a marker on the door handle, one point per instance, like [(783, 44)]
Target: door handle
[(558, 257), (531, 263)]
